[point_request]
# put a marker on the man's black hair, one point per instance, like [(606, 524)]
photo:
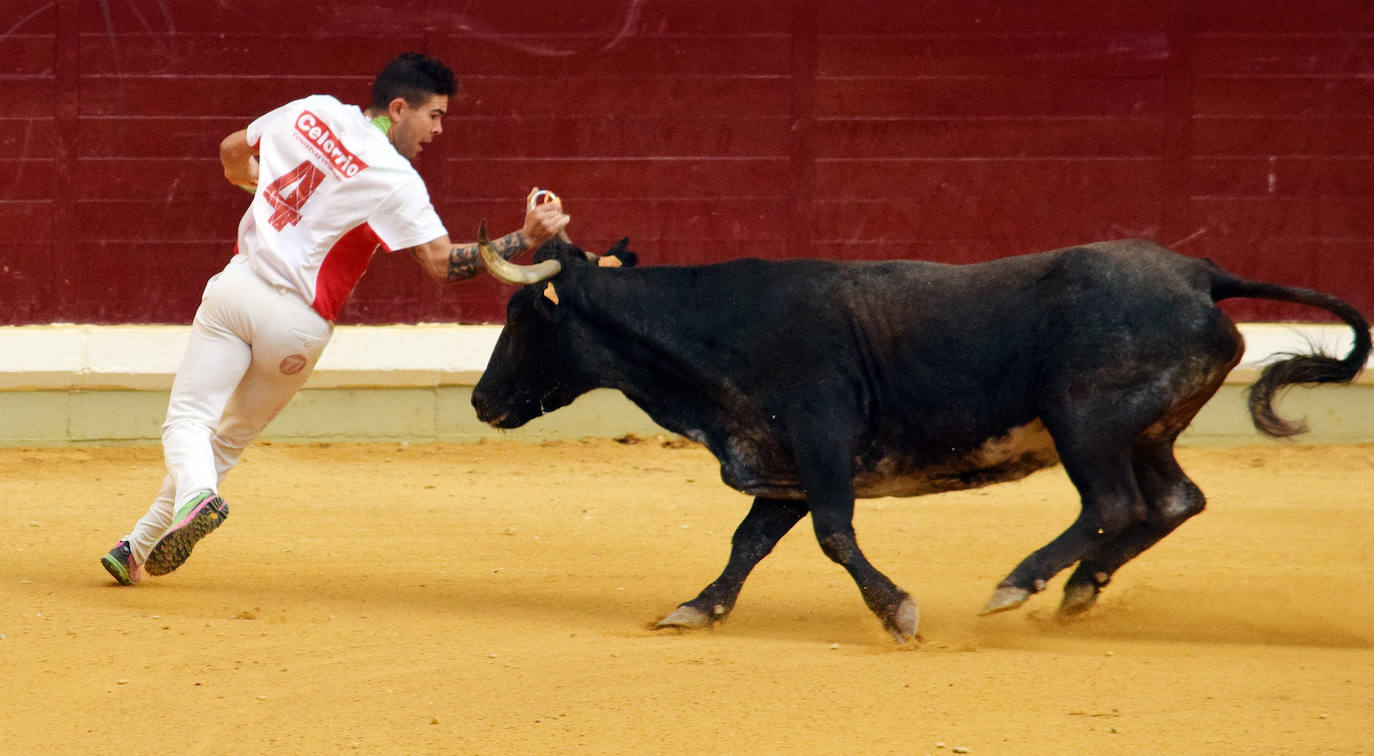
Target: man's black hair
[(413, 77)]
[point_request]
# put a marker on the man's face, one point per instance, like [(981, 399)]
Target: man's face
[(414, 127)]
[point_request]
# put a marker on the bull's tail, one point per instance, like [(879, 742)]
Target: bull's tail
[(1309, 369)]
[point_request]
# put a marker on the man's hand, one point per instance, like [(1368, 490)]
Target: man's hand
[(240, 161), (544, 220)]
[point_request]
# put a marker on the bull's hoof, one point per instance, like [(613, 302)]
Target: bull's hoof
[(1005, 598), (685, 618), (1078, 598), (904, 622)]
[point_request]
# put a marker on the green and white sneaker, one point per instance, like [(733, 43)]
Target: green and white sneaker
[(193, 522)]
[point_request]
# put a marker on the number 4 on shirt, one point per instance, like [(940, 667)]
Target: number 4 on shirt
[(288, 194)]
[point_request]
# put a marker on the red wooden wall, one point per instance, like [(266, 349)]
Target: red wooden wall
[(952, 130)]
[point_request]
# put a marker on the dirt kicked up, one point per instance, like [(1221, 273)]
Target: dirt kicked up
[(496, 598)]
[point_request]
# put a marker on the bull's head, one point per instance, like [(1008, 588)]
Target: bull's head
[(541, 360)]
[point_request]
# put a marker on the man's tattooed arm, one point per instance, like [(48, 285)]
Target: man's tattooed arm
[(464, 260)]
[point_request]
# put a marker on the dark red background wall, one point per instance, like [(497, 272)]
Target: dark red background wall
[(951, 130)]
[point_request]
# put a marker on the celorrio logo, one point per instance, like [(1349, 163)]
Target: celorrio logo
[(319, 136)]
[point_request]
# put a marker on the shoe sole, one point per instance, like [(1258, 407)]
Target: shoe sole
[(175, 547), (116, 569)]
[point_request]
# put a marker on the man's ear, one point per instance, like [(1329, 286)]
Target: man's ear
[(396, 108)]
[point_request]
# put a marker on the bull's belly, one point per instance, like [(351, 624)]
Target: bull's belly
[(1014, 455)]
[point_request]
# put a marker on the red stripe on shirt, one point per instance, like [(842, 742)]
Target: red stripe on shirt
[(342, 268)]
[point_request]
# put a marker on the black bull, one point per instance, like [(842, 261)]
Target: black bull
[(814, 382)]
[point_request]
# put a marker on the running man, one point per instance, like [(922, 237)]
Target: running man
[(332, 183)]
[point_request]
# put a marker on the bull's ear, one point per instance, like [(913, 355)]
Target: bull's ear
[(621, 251), (551, 293)]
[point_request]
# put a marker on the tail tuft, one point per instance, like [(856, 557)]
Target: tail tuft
[(1295, 369), (1306, 369)]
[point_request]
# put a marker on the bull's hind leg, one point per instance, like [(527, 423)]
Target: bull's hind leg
[(768, 521), (1171, 498), (1111, 503)]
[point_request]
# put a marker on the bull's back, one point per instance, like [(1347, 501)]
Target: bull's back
[(949, 366)]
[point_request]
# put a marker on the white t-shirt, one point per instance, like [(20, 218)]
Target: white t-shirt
[(331, 188)]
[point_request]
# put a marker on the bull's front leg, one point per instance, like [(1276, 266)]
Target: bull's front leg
[(892, 605), (767, 522), (830, 494)]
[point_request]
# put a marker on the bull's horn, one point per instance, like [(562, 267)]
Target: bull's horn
[(508, 272)]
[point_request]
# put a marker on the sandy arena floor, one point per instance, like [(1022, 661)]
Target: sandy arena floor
[(494, 599)]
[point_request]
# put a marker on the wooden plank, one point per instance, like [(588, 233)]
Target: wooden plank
[(645, 136), (167, 17), (614, 20), (156, 281), (27, 19), (28, 139), (297, 54), (1291, 17), (1129, 55), (652, 54), (1059, 180), (238, 97), (1283, 54), (624, 178), (29, 97), (26, 54), (27, 221), (1028, 221), (604, 97), (26, 277), (987, 96), (511, 97), (1347, 218), (1322, 96), (993, 137), (991, 17), (165, 180), (610, 22), (1287, 135), (597, 223), (27, 179), (1271, 217), (146, 137), (1307, 176), (141, 222)]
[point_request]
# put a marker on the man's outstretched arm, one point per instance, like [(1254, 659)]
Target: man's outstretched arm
[(447, 262)]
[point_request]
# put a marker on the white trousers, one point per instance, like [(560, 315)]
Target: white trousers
[(251, 348)]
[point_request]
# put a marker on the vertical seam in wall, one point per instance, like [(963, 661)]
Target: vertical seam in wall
[(801, 126), (1176, 223), (435, 44), (66, 127)]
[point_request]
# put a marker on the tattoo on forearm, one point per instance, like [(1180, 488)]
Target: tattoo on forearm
[(464, 260)]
